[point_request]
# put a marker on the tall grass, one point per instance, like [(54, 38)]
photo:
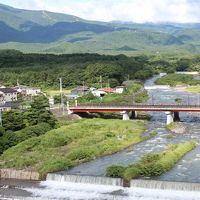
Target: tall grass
[(75, 143), (153, 164)]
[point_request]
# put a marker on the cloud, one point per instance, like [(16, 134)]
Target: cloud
[(123, 10)]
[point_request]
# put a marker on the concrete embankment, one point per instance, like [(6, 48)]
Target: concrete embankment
[(19, 174)]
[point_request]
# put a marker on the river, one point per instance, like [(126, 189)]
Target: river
[(187, 170)]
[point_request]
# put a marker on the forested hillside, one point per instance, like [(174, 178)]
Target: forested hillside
[(44, 70), (46, 32)]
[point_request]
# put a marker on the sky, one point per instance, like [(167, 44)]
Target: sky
[(138, 11)]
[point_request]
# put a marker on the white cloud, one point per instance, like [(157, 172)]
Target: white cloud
[(123, 10)]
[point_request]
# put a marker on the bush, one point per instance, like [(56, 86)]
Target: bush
[(141, 97), (131, 172), (82, 154), (115, 171), (54, 166), (10, 139)]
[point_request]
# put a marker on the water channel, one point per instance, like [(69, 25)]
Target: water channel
[(187, 170)]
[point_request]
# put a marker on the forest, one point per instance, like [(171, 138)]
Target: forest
[(44, 70)]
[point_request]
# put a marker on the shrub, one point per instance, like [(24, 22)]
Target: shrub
[(54, 166), (10, 139), (83, 153), (115, 171), (131, 172)]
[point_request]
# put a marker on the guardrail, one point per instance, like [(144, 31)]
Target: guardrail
[(136, 106)]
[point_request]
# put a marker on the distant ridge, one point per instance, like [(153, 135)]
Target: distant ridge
[(48, 32)]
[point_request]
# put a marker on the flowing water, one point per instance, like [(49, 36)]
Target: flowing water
[(87, 180)]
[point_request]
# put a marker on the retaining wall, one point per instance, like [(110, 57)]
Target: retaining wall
[(19, 174)]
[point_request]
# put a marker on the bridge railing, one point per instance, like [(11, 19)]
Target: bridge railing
[(139, 105)]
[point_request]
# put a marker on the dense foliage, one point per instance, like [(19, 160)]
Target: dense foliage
[(44, 70), (9, 138), (153, 164), (21, 125), (37, 113)]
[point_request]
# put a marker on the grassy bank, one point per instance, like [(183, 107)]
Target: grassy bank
[(195, 89), (177, 79), (152, 164), (73, 144), (172, 126)]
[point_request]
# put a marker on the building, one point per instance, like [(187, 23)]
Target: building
[(28, 91), (7, 106), (98, 93), (107, 90), (8, 95), (120, 89), (81, 90)]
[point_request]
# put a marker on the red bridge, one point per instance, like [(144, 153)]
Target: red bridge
[(172, 110)]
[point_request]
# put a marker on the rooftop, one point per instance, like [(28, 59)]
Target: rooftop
[(8, 90), (107, 89)]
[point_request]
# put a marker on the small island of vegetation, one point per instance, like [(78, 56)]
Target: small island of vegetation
[(152, 164)]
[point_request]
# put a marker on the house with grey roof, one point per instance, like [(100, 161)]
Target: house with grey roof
[(8, 95)]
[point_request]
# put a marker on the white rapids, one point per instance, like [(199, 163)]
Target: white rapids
[(76, 191)]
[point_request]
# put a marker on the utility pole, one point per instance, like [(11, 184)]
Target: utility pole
[(61, 97), (101, 82), (1, 124)]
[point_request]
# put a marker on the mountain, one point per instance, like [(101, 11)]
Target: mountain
[(48, 32), (25, 19)]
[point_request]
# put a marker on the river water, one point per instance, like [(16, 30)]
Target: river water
[(187, 170)]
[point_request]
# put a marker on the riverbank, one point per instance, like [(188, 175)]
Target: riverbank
[(176, 127), (193, 89), (70, 145)]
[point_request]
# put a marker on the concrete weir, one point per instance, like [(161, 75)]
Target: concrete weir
[(97, 180), (165, 185)]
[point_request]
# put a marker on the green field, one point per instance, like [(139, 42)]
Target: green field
[(73, 144), (51, 92), (195, 89)]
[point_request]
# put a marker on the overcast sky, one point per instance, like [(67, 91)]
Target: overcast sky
[(124, 10)]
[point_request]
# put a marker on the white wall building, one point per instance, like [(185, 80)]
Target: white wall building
[(28, 91), (8, 94), (119, 89), (98, 93)]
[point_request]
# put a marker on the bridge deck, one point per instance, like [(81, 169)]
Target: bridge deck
[(136, 107)]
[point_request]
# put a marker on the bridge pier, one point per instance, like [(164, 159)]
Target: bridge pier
[(125, 115), (68, 109), (176, 116), (170, 118), (134, 115)]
